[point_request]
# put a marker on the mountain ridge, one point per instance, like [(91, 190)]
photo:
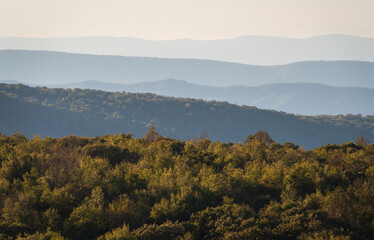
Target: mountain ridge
[(255, 50), (45, 67)]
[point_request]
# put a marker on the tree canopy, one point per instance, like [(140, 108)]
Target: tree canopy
[(155, 187)]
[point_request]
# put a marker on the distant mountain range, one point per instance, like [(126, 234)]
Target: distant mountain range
[(297, 98), (45, 68), (257, 50), (59, 112)]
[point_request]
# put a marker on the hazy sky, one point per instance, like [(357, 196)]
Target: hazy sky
[(198, 19)]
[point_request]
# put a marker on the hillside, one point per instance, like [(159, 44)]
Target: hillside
[(59, 112), (257, 50), (296, 98), (43, 68)]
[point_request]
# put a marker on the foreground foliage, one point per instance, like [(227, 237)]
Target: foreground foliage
[(120, 187)]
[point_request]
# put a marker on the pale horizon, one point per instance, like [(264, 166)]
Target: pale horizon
[(194, 39), (198, 20)]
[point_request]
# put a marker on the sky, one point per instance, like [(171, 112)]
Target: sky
[(194, 19)]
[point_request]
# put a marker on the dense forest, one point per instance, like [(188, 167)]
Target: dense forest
[(154, 187), (61, 112)]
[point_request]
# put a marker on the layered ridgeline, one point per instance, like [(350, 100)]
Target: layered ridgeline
[(296, 98), (59, 112), (41, 67), (258, 50)]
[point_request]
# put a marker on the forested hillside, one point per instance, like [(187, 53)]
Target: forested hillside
[(296, 98), (121, 187), (60, 112)]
